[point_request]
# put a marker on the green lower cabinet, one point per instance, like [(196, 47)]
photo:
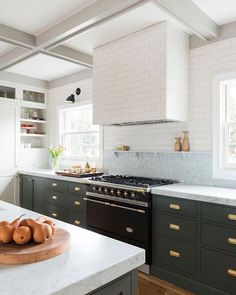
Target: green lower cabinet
[(58, 199), (194, 245)]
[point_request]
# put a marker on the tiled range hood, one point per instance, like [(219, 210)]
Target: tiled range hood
[(142, 78)]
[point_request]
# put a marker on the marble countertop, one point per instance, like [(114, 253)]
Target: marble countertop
[(47, 173), (219, 195), (92, 261)]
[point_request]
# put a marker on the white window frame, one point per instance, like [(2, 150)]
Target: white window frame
[(71, 160), (221, 168)]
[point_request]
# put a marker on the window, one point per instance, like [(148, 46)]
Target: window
[(224, 126), (79, 136)]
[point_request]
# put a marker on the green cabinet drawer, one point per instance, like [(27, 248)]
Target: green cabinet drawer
[(175, 206), (218, 237), (176, 255), (57, 185), (219, 213), (119, 287), (55, 212), (55, 197), (219, 270), (76, 203), (78, 219), (175, 227), (77, 188)]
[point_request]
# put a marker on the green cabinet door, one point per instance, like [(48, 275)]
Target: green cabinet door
[(39, 194), (27, 192)]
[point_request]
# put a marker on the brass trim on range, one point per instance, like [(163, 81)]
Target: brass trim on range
[(54, 184), (232, 217), (54, 214), (54, 197), (174, 226), (232, 241), (95, 201), (77, 203), (77, 188), (231, 272), (174, 254), (128, 208), (77, 222), (175, 206)]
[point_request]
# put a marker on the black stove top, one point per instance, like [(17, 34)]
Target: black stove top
[(133, 180)]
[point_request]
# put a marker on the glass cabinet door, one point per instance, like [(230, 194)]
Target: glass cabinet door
[(7, 92), (34, 96)]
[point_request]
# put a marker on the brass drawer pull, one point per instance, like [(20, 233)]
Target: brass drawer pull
[(54, 214), (231, 272), (54, 184), (175, 206), (129, 230), (77, 188), (174, 254), (232, 217), (232, 241), (77, 222), (77, 203), (174, 226), (54, 197)]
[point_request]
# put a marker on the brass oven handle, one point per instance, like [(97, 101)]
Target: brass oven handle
[(54, 214), (174, 226), (54, 197), (77, 188), (231, 272), (77, 222), (175, 206), (77, 203), (232, 241), (174, 254), (232, 217), (95, 201), (54, 184), (128, 208)]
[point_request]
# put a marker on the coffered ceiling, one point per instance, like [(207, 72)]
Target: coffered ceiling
[(51, 38)]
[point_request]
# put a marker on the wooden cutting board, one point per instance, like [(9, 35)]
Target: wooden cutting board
[(33, 252)]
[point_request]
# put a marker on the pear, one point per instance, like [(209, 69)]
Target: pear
[(6, 233), (50, 222), (17, 221), (3, 223), (22, 235), (41, 231)]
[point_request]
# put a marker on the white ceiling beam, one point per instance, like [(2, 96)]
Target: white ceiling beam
[(16, 37), (187, 12), (78, 22), (14, 56), (69, 54)]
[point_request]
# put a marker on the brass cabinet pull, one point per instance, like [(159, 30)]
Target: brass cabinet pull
[(175, 206), (77, 203), (129, 230), (54, 197), (77, 222), (232, 217), (231, 272), (174, 254), (174, 226), (54, 184), (54, 214), (77, 188), (232, 241)]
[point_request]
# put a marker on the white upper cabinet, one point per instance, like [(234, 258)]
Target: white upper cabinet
[(142, 78)]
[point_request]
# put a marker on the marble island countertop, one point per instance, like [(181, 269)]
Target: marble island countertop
[(219, 195), (91, 262)]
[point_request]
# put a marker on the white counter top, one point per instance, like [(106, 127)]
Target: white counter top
[(210, 194), (92, 261), (47, 173)]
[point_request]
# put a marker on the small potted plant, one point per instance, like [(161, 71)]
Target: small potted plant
[(55, 153)]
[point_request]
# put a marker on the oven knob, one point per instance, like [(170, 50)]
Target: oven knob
[(118, 193), (126, 194), (94, 188), (133, 195), (99, 189), (112, 191), (106, 190)]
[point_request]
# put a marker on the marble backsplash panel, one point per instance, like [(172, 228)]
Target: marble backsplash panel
[(190, 168)]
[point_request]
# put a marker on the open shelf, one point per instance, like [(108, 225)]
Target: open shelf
[(33, 135), (33, 121), (33, 105)]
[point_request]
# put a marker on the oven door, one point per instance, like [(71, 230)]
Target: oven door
[(100, 215)]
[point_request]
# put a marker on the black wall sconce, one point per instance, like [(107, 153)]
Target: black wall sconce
[(71, 98)]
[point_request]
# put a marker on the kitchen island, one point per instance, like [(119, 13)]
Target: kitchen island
[(92, 263)]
